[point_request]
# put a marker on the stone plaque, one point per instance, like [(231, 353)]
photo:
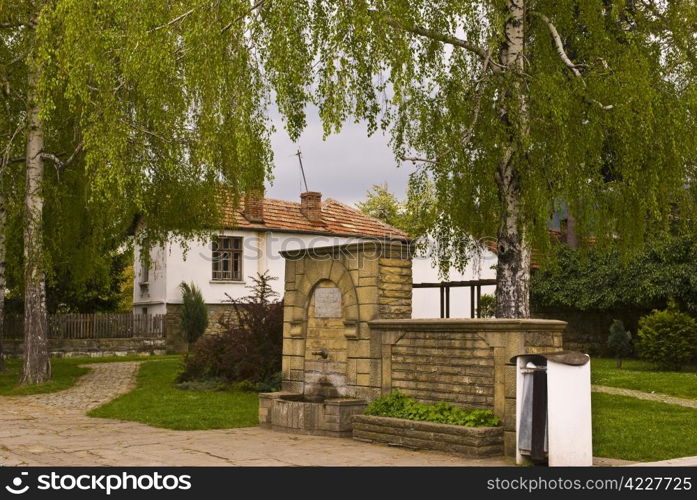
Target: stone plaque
[(327, 303)]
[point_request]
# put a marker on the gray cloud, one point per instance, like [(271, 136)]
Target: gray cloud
[(343, 167)]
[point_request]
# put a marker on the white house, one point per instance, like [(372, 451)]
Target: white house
[(251, 242)]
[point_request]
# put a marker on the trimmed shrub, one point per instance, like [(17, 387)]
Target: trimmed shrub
[(250, 348), (668, 338), (398, 405), (194, 317), (619, 342)]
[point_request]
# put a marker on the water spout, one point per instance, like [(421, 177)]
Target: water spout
[(323, 353)]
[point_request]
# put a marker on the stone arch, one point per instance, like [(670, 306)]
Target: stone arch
[(317, 271), (325, 336)]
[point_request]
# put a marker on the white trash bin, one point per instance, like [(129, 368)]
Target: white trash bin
[(553, 409)]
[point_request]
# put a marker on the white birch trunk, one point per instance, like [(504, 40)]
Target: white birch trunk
[(513, 269), (36, 367)]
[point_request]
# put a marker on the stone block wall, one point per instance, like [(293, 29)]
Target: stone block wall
[(458, 439), (92, 348), (462, 361), (286, 412)]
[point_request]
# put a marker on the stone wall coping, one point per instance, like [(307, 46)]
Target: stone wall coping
[(467, 324), (328, 401), (403, 423), (345, 401), (275, 395)]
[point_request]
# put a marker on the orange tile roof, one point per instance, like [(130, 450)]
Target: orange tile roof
[(337, 219)]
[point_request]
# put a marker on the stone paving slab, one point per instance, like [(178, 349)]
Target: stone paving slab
[(649, 396), (52, 430)]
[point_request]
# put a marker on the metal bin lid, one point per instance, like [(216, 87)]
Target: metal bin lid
[(573, 358)]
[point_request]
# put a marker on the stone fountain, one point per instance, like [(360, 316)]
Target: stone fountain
[(331, 364)]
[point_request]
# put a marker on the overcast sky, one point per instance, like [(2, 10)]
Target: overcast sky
[(343, 167)]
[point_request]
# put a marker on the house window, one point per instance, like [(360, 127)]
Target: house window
[(227, 258), (144, 270)]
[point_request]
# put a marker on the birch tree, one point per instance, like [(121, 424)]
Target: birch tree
[(516, 107), (161, 105)]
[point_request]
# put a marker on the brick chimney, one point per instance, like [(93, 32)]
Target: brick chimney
[(254, 205), (311, 205)]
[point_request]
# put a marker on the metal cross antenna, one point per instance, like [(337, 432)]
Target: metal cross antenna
[(302, 169)]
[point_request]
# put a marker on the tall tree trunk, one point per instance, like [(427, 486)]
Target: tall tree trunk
[(513, 269), (36, 368), (3, 225)]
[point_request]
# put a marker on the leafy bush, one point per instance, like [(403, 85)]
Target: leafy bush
[(398, 405), (250, 347), (487, 306), (194, 318), (619, 341), (668, 338)]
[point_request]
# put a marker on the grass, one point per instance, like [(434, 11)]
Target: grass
[(65, 372), (643, 376), (156, 401), (644, 431)]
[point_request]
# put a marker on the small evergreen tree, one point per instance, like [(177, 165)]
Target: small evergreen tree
[(194, 320), (619, 341)]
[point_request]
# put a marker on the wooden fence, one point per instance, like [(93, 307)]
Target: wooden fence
[(92, 326)]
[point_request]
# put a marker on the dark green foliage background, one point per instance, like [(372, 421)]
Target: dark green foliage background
[(598, 279)]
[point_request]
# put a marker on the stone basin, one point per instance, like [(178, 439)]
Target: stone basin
[(296, 412)]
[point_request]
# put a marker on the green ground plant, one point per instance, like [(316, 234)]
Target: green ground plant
[(398, 405)]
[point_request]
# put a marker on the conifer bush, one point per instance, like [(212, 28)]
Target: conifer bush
[(619, 342), (194, 317), (668, 338)]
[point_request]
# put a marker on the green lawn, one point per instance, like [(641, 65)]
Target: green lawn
[(643, 376), (65, 373), (645, 431), (157, 402)]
